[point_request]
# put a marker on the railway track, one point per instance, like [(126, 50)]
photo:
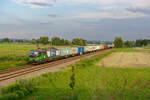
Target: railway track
[(13, 73)]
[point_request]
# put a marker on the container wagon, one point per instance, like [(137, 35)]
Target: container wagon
[(80, 50)]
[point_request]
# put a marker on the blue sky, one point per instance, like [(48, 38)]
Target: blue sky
[(89, 19)]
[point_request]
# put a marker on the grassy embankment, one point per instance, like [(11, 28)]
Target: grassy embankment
[(15, 54), (92, 83)]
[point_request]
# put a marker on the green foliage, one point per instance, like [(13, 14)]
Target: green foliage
[(72, 78), (10, 96), (142, 42), (59, 41), (118, 42), (79, 41), (129, 44), (67, 42), (5, 40), (18, 90), (55, 41), (44, 40), (34, 41)]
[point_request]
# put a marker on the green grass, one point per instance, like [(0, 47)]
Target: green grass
[(126, 50), (92, 82), (16, 54)]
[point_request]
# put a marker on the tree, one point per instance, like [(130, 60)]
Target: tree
[(129, 44), (138, 42), (62, 42), (144, 42), (55, 41), (44, 40), (141, 42), (59, 41), (118, 42), (5, 40), (79, 41), (67, 42), (19, 41), (76, 41), (33, 41)]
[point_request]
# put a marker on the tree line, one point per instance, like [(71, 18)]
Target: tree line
[(138, 43), (46, 40), (118, 42)]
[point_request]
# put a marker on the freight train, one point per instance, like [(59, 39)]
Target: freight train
[(39, 56)]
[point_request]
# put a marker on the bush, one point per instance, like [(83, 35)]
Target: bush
[(18, 90), (118, 42), (10, 96), (129, 44)]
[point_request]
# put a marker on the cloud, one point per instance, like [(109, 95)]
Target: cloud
[(102, 4), (41, 4), (36, 3), (54, 15), (141, 10), (106, 15), (142, 6)]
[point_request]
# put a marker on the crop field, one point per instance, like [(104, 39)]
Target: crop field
[(16, 54), (92, 82), (126, 59)]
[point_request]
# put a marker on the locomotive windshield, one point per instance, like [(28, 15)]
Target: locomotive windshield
[(37, 52), (34, 53)]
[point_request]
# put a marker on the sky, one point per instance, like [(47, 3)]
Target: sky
[(88, 19)]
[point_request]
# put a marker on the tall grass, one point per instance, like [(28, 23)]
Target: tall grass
[(13, 61)]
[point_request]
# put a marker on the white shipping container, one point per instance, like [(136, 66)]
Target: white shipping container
[(89, 48), (97, 47), (94, 48), (48, 53), (85, 49), (73, 50), (57, 52)]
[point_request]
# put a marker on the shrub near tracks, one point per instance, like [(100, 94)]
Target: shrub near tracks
[(18, 90), (94, 82)]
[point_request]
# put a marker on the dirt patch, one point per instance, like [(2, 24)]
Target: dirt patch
[(126, 59)]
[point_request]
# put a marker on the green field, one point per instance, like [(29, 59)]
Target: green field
[(16, 54), (92, 82)]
